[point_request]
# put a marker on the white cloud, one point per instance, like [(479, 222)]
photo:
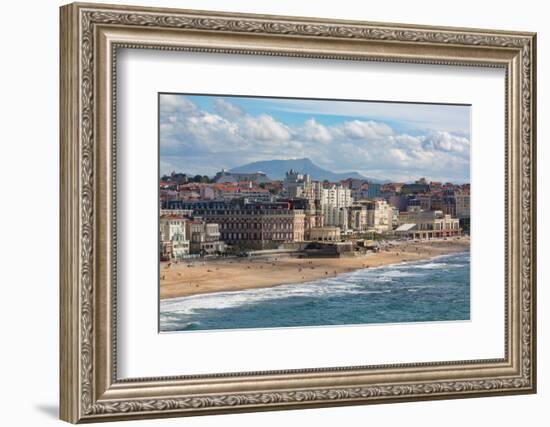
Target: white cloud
[(359, 129), (264, 128), (399, 155), (183, 124), (313, 131), (446, 141), (171, 104), (229, 137), (209, 129), (407, 141)]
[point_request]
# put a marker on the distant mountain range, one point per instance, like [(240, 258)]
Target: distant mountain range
[(276, 169)]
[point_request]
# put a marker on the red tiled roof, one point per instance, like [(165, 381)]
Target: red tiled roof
[(180, 217)]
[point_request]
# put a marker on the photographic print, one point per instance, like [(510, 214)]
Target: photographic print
[(286, 212)]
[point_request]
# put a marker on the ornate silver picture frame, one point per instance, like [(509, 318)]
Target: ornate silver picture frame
[(91, 37)]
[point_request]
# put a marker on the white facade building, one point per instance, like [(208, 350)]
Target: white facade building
[(428, 224), (335, 202), (173, 237), (335, 216), (358, 217), (337, 196), (380, 216), (205, 238), (296, 185)]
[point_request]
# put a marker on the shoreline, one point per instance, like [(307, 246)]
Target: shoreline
[(225, 275)]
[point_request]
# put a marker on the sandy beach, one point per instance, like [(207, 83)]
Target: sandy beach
[(232, 274)]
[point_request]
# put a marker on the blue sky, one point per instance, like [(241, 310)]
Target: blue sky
[(201, 134)]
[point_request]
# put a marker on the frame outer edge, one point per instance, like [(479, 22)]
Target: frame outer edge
[(305, 19), (77, 343), (69, 355), (533, 212)]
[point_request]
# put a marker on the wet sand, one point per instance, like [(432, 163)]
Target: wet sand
[(232, 274)]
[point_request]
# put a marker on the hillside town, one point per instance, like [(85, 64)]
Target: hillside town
[(244, 214)]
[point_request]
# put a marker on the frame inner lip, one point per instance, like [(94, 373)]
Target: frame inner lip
[(287, 372)]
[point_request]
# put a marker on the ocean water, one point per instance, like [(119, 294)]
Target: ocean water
[(437, 289)]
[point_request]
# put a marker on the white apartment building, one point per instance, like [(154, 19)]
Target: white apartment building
[(380, 216), (336, 196), (335, 202), (358, 217), (300, 186), (335, 216)]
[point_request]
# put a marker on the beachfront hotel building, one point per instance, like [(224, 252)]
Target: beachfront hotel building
[(205, 237), (174, 242), (326, 234), (259, 227), (250, 225), (417, 223), (372, 215)]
